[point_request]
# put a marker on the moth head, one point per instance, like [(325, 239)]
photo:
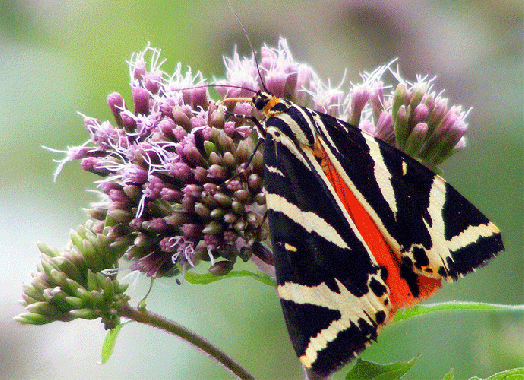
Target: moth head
[(264, 101), (261, 99)]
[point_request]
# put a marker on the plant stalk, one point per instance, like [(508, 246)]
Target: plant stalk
[(152, 319)]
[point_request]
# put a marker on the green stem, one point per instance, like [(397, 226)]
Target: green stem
[(147, 317)]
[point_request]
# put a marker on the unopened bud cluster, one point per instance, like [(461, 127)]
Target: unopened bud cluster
[(410, 117), (73, 284)]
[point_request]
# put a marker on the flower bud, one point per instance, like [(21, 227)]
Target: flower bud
[(141, 100), (116, 103)]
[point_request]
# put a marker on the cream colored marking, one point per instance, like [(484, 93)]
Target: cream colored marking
[(441, 248), (289, 144), (437, 199), (311, 127), (493, 228), (471, 235), (305, 361), (404, 167), (295, 128), (289, 247), (383, 181), (308, 220), (351, 308), (325, 133), (273, 169)]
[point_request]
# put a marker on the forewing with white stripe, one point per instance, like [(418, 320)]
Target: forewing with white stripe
[(332, 294), (432, 228)]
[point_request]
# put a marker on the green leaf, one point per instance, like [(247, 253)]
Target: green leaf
[(364, 370), (511, 374), (450, 375), (109, 343), (449, 306), (207, 278)]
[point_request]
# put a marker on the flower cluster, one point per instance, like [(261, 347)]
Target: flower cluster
[(180, 181), (76, 283)]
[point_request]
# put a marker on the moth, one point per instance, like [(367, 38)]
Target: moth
[(358, 230)]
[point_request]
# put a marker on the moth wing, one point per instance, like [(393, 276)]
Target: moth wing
[(427, 223), (331, 290)]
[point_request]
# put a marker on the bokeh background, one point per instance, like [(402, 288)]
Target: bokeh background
[(60, 57)]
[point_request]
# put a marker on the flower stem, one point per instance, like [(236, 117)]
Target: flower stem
[(147, 317)]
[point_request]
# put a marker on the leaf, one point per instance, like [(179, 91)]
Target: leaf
[(207, 278), (450, 375), (449, 306), (109, 343), (364, 370), (511, 374)]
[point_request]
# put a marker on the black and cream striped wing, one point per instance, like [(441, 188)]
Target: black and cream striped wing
[(425, 221), (332, 290), (332, 294)]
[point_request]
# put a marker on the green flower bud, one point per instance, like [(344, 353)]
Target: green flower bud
[(215, 158), (75, 302), (96, 213), (213, 228), (43, 308), (223, 200), (33, 319), (85, 314), (229, 160), (225, 142), (217, 213), (201, 210)]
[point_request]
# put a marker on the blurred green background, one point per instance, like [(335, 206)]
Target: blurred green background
[(60, 57)]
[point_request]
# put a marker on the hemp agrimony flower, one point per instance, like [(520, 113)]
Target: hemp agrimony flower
[(177, 184)]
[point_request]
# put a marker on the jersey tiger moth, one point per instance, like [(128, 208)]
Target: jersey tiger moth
[(358, 230)]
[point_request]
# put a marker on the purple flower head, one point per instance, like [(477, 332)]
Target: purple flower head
[(240, 73), (177, 188)]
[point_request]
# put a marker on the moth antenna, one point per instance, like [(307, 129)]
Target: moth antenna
[(250, 45)]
